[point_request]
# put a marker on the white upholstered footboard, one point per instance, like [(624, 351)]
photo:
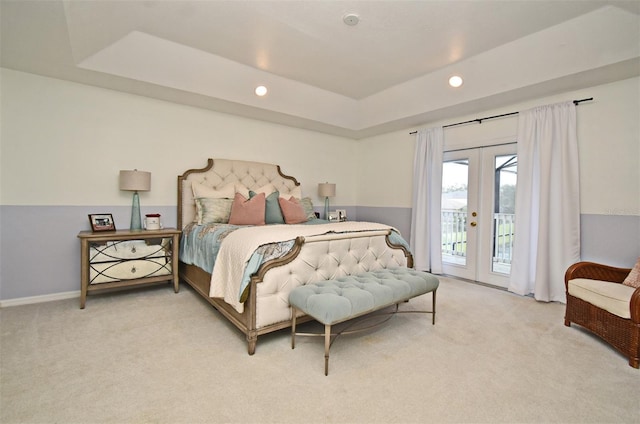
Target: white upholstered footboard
[(322, 258)]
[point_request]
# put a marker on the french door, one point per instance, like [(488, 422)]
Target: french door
[(478, 213)]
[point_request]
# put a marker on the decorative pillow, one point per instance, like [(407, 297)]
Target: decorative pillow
[(212, 210), (247, 212), (633, 279), (294, 192), (272, 214), (201, 190), (307, 205), (292, 210), (242, 189), (267, 189)]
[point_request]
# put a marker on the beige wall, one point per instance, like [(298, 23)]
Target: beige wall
[(608, 133), (63, 144)]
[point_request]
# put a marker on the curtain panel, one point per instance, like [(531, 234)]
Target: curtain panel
[(547, 229), (426, 233)]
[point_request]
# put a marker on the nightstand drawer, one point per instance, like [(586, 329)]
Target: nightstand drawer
[(105, 272), (129, 249)]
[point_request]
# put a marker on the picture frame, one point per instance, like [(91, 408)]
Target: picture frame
[(333, 216), (102, 222), (342, 214)]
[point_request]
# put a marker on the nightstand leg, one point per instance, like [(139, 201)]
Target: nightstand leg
[(84, 272), (175, 246)]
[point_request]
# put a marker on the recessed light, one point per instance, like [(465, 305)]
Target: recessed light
[(261, 90), (455, 81), (351, 19)]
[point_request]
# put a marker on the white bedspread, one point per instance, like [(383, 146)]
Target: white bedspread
[(237, 248)]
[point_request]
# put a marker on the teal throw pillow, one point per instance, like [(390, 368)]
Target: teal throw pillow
[(272, 212)]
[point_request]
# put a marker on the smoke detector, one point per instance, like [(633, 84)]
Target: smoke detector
[(351, 19)]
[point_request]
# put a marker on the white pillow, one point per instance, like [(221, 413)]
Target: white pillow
[(267, 189), (242, 189), (295, 192), (201, 190)]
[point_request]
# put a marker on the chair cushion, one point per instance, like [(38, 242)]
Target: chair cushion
[(612, 297)]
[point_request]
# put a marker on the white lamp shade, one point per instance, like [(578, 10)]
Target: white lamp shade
[(326, 190), (135, 180)]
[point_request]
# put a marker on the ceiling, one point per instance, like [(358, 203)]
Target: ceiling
[(388, 72)]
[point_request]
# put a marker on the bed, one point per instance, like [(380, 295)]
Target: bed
[(250, 286)]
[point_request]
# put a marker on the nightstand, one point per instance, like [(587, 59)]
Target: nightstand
[(124, 258)]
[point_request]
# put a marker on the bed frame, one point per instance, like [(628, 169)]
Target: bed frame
[(267, 306)]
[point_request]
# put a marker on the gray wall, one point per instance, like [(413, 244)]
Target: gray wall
[(41, 252)]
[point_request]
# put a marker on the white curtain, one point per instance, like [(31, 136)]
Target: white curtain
[(547, 229), (426, 235)]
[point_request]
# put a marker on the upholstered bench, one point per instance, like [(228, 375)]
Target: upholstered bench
[(334, 301)]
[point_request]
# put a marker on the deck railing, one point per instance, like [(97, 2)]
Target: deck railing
[(454, 235), (503, 231)]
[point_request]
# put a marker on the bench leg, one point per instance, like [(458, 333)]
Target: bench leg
[(327, 345), (433, 300), (293, 328)]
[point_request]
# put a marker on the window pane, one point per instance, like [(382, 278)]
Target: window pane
[(506, 175), (455, 179)]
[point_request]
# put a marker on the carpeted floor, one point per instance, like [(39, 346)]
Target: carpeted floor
[(153, 356)]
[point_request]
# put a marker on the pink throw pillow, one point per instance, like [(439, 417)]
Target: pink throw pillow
[(633, 279), (248, 212), (292, 210)]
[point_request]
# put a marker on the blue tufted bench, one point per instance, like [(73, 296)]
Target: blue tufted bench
[(334, 301)]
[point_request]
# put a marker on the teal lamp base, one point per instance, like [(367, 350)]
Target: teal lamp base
[(326, 208), (136, 219)]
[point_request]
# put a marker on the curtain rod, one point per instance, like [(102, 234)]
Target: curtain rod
[(479, 120)]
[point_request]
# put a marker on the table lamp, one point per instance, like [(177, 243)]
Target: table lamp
[(326, 190), (135, 181)]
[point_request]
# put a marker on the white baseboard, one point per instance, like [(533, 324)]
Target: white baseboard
[(39, 299)]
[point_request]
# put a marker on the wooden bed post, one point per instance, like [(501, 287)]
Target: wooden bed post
[(252, 333)]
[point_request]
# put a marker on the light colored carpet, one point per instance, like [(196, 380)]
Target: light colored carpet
[(153, 356)]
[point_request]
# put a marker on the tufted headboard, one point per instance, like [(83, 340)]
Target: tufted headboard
[(220, 172)]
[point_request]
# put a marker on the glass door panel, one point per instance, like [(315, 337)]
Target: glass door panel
[(459, 180), (455, 180)]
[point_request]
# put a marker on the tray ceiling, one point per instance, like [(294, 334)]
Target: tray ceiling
[(388, 72)]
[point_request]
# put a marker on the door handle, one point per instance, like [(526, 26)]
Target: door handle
[(473, 223)]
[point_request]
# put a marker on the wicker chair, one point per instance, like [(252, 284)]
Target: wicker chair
[(621, 333)]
